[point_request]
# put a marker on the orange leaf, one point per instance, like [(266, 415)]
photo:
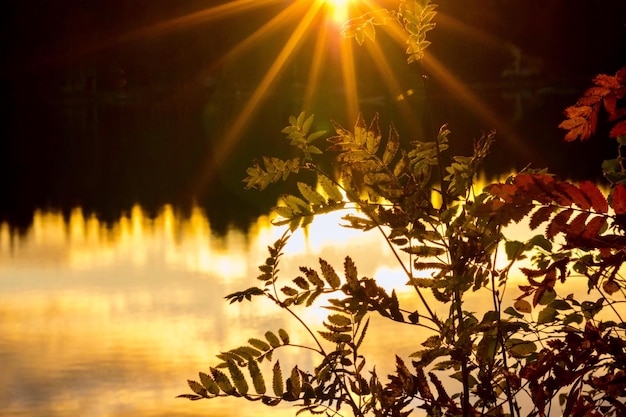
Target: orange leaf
[(595, 196), (523, 306), (588, 101), (573, 122), (618, 199), (606, 81), (597, 91), (577, 111)]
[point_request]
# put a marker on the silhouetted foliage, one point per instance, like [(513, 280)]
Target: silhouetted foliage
[(547, 345)]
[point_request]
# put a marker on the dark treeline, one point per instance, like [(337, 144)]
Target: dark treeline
[(106, 106)]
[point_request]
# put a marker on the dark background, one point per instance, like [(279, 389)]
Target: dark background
[(105, 104)]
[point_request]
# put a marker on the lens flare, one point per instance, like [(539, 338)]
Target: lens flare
[(338, 10)]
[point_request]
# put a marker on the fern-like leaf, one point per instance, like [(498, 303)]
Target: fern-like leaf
[(197, 388), (258, 382), (222, 381), (277, 380), (329, 274), (239, 381), (273, 340), (209, 384)]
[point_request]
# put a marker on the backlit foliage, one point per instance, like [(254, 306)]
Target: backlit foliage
[(533, 341)]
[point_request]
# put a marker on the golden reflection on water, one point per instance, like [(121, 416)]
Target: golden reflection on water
[(111, 321)]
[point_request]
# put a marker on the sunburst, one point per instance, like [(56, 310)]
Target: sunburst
[(318, 23)]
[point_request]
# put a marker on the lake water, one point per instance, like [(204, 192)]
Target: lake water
[(111, 320)]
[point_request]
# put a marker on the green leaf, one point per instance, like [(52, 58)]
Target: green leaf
[(311, 195), (393, 144), (307, 124), (513, 249), (296, 204), (209, 384), (336, 337), (511, 312), (284, 336), (542, 242), (560, 305), (277, 380), (238, 379), (246, 352), (197, 388), (547, 315), (339, 320), (257, 378), (547, 297), (373, 136), (520, 348), (273, 339), (222, 381), (424, 250), (294, 383), (330, 188), (329, 274)]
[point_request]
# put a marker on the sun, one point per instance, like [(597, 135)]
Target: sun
[(338, 10)]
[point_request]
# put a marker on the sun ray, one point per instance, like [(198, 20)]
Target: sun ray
[(254, 39), (474, 104), (460, 91), (393, 85), (349, 79), (233, 135), (319, 54), (202, 16)]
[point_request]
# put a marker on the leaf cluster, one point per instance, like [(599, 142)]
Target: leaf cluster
[(582, 118)]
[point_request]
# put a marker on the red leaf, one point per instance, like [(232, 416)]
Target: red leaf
[(504, 191), (540, 216), (558, 223), (609, 104), (595, 196), (577, 226), (536, 186), (618, 199), (574, 193), (618, 130), (592, 229), (621, 75)]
